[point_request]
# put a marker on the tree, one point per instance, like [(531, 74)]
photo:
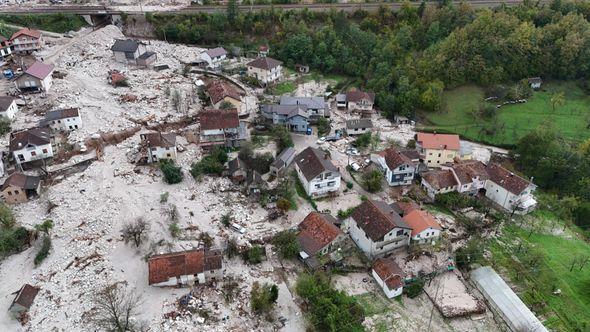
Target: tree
[(4, 126), (135, 231), (253, 255), (372, 180), (172, 173), (115, 308), (557, 99), (287, 244), (43, 251), (283, 205), (226, 105), (323, 126), (7, 220), (232, 11), (263, 297), (45, 226), (206, 239)]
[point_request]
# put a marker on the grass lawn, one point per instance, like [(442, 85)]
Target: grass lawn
[(540, 266), (60, 23), (373, 304), (282, 88), (513, 121)]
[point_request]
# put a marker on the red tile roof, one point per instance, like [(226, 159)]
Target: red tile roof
[(440, 179), (406, 207), (26, 32), (466, 171), (219, 119), (438, 141), (191, 262), (316, 231), (388, 270), (158, 139), (217, 90), (420, 220), (40, 70), (377, 219), (394, 158), (506, 179)]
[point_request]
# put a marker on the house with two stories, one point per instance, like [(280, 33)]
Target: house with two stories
[(471, 176), (214, 57), (377, 229), (223, 93), (8, 107), (438, 181), (389, 276), (437, 149), (132, 52), (31, 145), (26, 41), (425, 229), (159, 145), (318, 236), (221, 128), (358, 126), (5, 49), (36, 78), (67, 119), (185, 268), (357, 100), (265, 69), (317, 173), (398, 168), (316, 106), (23, 300), (510, 191), (282, 161), (19, 188), (293, 117)]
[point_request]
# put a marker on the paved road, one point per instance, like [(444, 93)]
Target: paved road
[(97, 10)]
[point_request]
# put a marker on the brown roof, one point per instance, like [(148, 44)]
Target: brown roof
[(412, 154), (35, 136), (388, 270), (20, 180), (219, 119), (438, 141), (439, 179), (39, 70), (217, 90), (506, 179), (5, 102), (312, 162), (394, 158), (376, 219), (60, 114), (357, 95), (158, 139), (420, 220), (466, 171), (404, 208), (26, 295), (266, 63), (317, 230), (191, 262), (26, 32)]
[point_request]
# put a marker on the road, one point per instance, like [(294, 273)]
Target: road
[(104, 10)]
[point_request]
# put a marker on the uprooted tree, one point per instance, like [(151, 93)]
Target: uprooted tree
[(115, 307), (135, 231)]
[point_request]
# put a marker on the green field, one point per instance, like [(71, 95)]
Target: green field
[(543, 264), (512, 121), (282, 88)]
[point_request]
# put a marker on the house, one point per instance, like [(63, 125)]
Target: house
[(425, 229), (389, 276), (159, 145), (360, 100), (265, 69), (401, 120), (8, 107), (294, 117), (316, 172), (237, 170), (438, 182), (263, 50), (282, 162), (36, 78), (24, 300), (341, 100), (471, 176), (377, 229), (302, 69), (132, 52), (31, 145), (399, 170), (437, 149), (316, 106), (185, 268), (358, 126), (254, 181), (62, 120), (26, 40), (535, 82), (221, 92), (318, 236), (19, 188), (5, 49), (221, 127), (510, 191), (214, 57)]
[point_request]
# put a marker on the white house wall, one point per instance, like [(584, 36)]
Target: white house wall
[(390, 293), (27, 153)]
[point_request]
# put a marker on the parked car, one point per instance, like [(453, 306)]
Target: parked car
[(321, 140)]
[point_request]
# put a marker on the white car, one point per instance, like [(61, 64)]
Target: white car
[(355, 167), (321, 140), (352, 152), (238, 228)]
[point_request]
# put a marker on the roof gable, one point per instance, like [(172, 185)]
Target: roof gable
[(506, 179), (312, 162), (376, 219), (317, 230), (266, 63), (26, 32), (394, 158), (438, 141), (420, 220), (35, 136), (125, 45), (40, 70), (191, 262), (219, 119), (389, 272), (218, 90)]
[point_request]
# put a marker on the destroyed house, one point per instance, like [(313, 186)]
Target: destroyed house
[(159, 145), (185, 268), (319, 235), (132, 52), (23, 300), (36, 78), (221, 127), (19, 188)]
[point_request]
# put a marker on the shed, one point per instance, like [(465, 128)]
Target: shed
[(283, 161), (23, 300)]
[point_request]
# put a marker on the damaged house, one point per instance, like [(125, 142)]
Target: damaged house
[(19, 188), (317, 173), (62, 120), (282, 162), (316, 106), (221, 128), (36, 78), (222, 93), (8, 107), (214, 57), (159, 145), (185, 268), (356, 100), (389, 276), (293, 117), (132, 52), (23, 300), (31, 145), (318, 236), (358, 126)]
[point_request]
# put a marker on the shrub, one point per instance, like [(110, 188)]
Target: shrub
[(172, 173), (174, 229), (286, 244), (5, 127), (372, 180), (323, 126), (253, 255), (414, 289), (210, 164), (43, 251), (363, 140), (471, 253), (349, 184), (226, 219), (282, 137), (164, 197), (343, 214), (262, 298)]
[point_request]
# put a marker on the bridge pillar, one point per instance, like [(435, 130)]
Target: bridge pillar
[(88, 19)]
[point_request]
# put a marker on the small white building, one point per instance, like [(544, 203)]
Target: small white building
[(8, 107), (185, 268), (399, 169), (377, 229), (438, 182), (36, 78), (425, 229), (133, 52), (389, 276), (63, 120), (358, 126), (214, 57), (282, 162), (509, 190), (159, 146), (31, 145), (265, 69), (535, 82), (316, 172)]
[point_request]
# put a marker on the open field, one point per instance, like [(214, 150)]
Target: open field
[(513, 121), (548, 270)]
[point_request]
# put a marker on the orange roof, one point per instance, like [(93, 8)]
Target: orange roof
[(317, 230), (420, 220), (26, 32), (163, 267), (438, 141), (388, 270)]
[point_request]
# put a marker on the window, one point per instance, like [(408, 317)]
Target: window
[(331, 183), (44, 150), (430, 153), (328, 174), (317, 186), (33, 153), (16, 192), (10, 193), (439, 155), (400, 232)]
